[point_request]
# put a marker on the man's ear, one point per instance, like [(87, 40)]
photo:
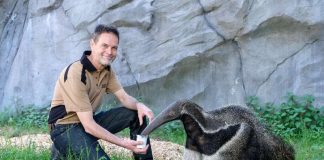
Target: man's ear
[(92, 43)]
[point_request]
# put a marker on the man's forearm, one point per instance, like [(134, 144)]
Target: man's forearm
[(130, 102), (101, 133), (91, 127)]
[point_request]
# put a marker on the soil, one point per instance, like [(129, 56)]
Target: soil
[(161, 150)]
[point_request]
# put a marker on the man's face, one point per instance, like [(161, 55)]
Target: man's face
[(104, 51)]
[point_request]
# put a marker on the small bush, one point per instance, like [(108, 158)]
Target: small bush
[(32, 117), (4, 118), (289, 118), (172, 131), (29, 120)]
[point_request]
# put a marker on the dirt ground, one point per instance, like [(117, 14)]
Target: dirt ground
[(161, 150)]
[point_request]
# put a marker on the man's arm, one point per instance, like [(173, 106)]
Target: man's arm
[(91, 127), (131, 103)]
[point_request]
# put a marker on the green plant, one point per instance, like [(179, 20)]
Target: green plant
[(30, 152), (308, 145), (172, 131), (9, 152), (32, 117), (291, 117), (29, 119), (4, 118), (29, 116)]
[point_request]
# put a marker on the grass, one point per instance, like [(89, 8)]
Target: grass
[(308, 144), (172, 132), (10, 152), (32, 121)]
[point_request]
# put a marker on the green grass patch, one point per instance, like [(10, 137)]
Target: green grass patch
[(297, 120), (10, 152), (289, 118), (31, 120), (308, 145), (172, 132)]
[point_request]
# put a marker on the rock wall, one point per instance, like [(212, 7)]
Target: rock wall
[(214, 52)]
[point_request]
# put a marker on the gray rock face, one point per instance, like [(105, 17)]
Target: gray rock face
[(214, 52)]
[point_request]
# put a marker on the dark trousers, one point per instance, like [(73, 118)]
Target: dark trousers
[(72, 142)]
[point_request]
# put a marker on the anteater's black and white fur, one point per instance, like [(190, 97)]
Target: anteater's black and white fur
[(228, 133)]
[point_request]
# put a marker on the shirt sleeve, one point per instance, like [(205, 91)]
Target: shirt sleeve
[(75, 94), (113, 83)]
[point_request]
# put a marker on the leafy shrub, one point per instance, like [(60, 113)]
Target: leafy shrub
[(171, 131), (173, 127), (29, 116), (291, 117), (4, 118), (32, 117)]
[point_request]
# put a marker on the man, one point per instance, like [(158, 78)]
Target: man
[(78, 92)]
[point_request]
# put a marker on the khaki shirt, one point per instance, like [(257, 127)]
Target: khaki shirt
[(80, 88)]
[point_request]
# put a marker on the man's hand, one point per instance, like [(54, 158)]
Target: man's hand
[(144, 111), (132, 145)]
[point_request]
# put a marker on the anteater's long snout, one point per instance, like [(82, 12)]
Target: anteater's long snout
[(172, 112)]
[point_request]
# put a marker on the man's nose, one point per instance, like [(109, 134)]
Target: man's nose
[(109, 50)]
